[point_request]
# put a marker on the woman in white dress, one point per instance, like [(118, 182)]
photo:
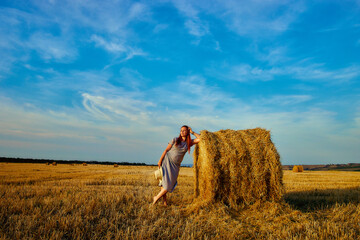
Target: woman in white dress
[(171, 159)]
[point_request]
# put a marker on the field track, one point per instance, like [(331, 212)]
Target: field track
[(39, 201)]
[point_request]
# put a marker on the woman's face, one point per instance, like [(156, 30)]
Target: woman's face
[(183, 131)]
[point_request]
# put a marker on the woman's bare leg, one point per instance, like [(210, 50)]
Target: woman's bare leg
[(161, 193), (164, 200)]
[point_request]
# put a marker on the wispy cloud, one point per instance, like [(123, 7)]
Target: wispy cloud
[(193, 23), (69, 134), (266, 18), (160, 27), (52, 29), (83, 78), (196, 27), (52, 48), (193, 93), (117, 47), (273, 55), (122, 107), (132, 79), (251, 18), (111, 16), (287, 99), (317, 72)]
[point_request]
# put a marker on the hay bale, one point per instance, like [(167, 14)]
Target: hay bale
[(298, 168), (84, 164), (115, 165), (54, 163), (236, 167)]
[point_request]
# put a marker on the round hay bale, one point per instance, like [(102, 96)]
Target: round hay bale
[(84, 164), (237, 167), (298, 168), (54, 163), (115, 165)]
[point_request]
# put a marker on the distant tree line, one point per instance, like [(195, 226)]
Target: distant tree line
[(32, 160)]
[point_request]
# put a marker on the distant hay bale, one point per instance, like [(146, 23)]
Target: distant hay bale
[(115, 165), (298, 168), (237, 167), (47, 163), (84, 164), (54, 163)]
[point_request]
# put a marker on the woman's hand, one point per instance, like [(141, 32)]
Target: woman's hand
[(190, 130), (163, 154)]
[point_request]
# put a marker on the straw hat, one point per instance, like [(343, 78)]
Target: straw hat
[(158, 175)]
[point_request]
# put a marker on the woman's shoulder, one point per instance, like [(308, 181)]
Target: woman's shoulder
[(172, 141)]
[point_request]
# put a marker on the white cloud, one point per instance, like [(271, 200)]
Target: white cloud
[(250, 18), (110, 46), (193, 23), (110, 16), (192, 93), (51, 29), (160, 27), (132, 79), (261, 18), (317, 72), (122, 107), (243, 73), (196, 27), (287, 99), (124, 123), (273, 55), (51, 48), (67, 133), (79, 81), (117, 47), (217, 48)]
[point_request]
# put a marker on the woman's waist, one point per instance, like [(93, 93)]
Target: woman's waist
[(176, 159)]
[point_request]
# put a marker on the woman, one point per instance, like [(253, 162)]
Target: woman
[(171, 159)]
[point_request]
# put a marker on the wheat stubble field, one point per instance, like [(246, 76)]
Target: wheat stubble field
[(102, 202)]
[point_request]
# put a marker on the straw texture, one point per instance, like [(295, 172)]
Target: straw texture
[(298, 168), (237, 167)]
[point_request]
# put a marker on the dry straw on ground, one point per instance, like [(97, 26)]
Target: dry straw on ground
[(298, 168), (237, 167)]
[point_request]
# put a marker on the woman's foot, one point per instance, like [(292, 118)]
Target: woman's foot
[(161, 193), (165, 200), (154, 200)]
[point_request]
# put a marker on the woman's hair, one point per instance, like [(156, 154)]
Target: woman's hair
[(188, 138)]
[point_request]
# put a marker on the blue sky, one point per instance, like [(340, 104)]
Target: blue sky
[(115, 80)]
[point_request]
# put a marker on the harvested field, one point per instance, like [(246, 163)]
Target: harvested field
[(103, 202)]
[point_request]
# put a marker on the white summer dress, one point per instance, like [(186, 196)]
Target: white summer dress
[(171, 164)]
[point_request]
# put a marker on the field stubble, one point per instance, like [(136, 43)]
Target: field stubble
[(103, 202)]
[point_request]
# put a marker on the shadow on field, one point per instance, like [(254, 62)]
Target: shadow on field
[(322, 199)]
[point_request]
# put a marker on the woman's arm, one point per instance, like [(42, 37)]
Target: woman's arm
[(163, 155), (197, 139)]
